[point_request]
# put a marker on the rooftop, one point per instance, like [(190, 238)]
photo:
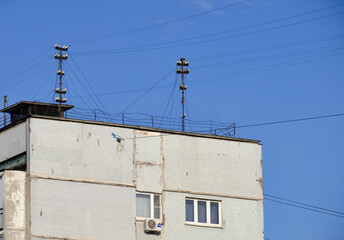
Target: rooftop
[(208, 129)]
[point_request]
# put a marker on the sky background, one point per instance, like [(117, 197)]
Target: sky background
[(255, 62)]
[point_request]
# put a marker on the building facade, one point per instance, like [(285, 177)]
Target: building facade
[(73, 179)]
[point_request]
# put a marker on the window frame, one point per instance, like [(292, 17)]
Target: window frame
[(208, 220), (152, 207)]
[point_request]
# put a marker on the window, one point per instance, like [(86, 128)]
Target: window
[(203, 212), (148, 205)]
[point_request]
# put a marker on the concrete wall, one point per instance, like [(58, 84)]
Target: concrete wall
[(242, 219), (75, 210), (13, 141), (83, 182), (14, 204), (213, 166)]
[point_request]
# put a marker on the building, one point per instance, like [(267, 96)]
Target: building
[(76, 180)]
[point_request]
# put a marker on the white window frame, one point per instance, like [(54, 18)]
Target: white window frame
[(208, 223), (151, 199)]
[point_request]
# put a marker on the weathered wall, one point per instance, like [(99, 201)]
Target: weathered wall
[(13, 141), (76, 166), (76, 210), (79, 151), (14, 204), (213, 166)]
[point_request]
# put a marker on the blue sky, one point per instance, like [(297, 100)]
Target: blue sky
[(255, 62)]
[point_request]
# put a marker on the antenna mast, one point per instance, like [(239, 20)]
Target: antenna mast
[(60, 73), (181, 63)]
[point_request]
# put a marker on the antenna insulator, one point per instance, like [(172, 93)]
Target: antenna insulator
[(182, 87), (60, 73)]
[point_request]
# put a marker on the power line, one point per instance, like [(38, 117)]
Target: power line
[(169, 99), (205, 102), (148, 90), (43, 83), (271, 47), (291, 120), (29, 61), (76, 91), (307, 52), (306, 208), (20, 74), (83, 85), (108, 36), (32, 74), (88, 84), (237, 53), (268, 67), (308, 205), (146, 47), (263, 124)]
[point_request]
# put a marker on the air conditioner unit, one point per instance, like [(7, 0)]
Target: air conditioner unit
[(152, 225)]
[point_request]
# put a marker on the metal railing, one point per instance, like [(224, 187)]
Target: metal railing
[(146, 120)]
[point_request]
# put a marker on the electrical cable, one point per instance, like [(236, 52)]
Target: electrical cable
[(233, 53), (11, 79), (43, 83), (22, 65), (307, 205), (108, 36), (268, 48), (148, 90), (169, 99), (82, 85), (306, 208), (88, 83), (146, 47), (205, 102), (264, 68), (32, 74), (309, 52), (267, 123), (291, 120)]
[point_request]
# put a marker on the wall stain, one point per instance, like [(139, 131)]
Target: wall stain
[(260, 181)]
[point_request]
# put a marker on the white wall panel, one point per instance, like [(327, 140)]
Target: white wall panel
[(82, 210), (13, 141)]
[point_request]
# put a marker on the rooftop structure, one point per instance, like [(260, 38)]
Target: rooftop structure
[(26, 108)]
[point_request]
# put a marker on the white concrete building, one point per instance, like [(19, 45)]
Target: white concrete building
[(74, 180)]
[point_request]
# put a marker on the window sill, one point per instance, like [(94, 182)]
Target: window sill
[(204, 225)]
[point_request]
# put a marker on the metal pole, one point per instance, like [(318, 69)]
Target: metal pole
[(183, 100), (95, 114), (122, 118), (183, 71), (59, 90), (60, 93), (152, 122)]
